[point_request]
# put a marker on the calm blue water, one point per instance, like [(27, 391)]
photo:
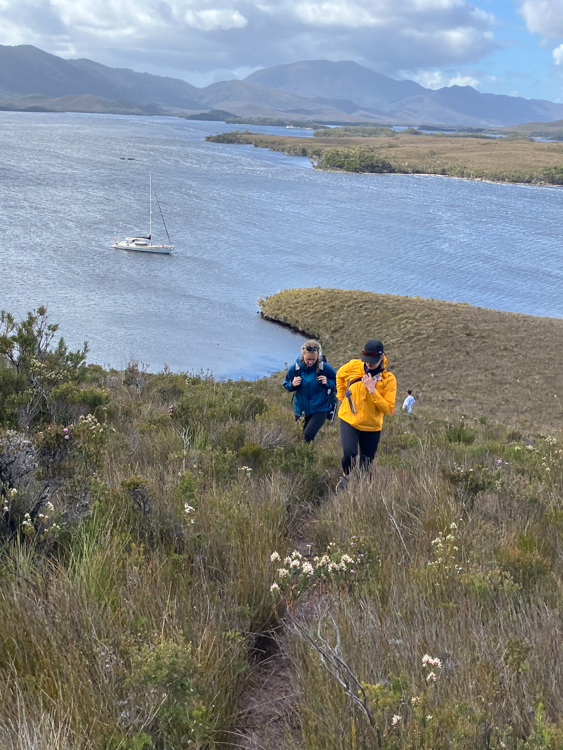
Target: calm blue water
[(245, 223)]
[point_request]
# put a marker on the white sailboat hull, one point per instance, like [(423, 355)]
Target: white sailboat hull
[(142, 246)]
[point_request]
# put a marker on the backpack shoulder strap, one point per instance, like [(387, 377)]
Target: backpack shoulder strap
[(355, 380)]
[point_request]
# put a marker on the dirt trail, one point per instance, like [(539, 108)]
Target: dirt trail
[(269, 718)]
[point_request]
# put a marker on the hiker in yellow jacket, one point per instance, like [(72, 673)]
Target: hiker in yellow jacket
[(367, 391)]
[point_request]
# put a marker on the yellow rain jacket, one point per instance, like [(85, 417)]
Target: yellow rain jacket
[(370, 407)]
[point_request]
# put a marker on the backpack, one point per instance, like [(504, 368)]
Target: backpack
[(330, 392)]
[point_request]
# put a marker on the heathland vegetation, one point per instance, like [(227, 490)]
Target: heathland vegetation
[(160, 534), (514, 158)]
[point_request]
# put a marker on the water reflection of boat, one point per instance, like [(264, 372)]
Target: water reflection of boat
[(144, 244)]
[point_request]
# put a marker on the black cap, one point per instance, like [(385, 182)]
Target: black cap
[(372, 351)]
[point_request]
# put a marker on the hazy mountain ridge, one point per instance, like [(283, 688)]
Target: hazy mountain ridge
[(404, 99), (86, 103), (319, 89)]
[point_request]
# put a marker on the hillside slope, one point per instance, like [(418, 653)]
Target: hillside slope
[(457, 358)]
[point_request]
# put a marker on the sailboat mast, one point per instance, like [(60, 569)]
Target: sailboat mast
[(150, 207)]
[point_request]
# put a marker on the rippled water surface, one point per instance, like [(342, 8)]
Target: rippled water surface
[(245, 223)]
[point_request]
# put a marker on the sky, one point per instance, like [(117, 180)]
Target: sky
[(510, 47)]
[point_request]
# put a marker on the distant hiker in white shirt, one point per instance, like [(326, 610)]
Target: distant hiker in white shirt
[(408, 402)]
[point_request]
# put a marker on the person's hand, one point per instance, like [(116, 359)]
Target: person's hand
[(369, 382), (296, 381), (322, 379)]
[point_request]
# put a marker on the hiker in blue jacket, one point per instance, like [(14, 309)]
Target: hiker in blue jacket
[(313, 382)]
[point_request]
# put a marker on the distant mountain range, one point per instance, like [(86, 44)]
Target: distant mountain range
[(319, 90)]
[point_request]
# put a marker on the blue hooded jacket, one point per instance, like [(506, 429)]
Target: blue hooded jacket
[(311, 396)]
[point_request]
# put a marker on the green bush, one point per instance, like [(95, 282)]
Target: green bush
[(355, 159), (33, 370), (164, 680), (460, 434)]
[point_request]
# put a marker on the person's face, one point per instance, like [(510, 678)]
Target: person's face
[(310, 357), (374, 365)]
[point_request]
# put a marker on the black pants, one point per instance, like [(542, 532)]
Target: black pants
[(313, 424), (351, 438)]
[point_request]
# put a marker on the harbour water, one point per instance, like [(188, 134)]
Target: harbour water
[(245, 222)]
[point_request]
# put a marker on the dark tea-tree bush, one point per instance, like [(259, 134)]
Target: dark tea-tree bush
[(34, 371)]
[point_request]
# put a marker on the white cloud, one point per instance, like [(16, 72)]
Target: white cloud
[(218, 18), (345, 14), (437, 79), (558, 55), (543, 16), (218, 35), (460, 80)]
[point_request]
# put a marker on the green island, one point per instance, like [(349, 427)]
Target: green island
[(176, 570), (477, 156)]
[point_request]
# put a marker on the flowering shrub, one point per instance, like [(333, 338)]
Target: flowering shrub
[(472, 481), (400, 710), (297, 573), (444, 552)]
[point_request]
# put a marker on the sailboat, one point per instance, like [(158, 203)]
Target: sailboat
[(143, 244)]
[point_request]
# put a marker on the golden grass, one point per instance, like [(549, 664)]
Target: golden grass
[(456, 358), (487, 159)]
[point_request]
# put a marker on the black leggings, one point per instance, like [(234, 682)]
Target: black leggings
[(313, 424), (350, 438)]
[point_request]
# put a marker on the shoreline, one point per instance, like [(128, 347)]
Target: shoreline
[(513, 163)]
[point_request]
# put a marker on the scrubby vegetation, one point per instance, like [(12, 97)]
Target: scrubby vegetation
[(143, 535), (515, 158), (365, 131), (220, 115)]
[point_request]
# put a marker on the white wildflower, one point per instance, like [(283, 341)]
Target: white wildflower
[(415, 700), (296, 563), (282, 573), (274, 557), (188, 508), (453, 525), (346, 559), (308, 569), (431, 677), (396, 719), (287, 561), (429, 717), (274, 587)]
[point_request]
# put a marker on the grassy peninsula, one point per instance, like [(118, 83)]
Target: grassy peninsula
[(510, 159), (146, 521)]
